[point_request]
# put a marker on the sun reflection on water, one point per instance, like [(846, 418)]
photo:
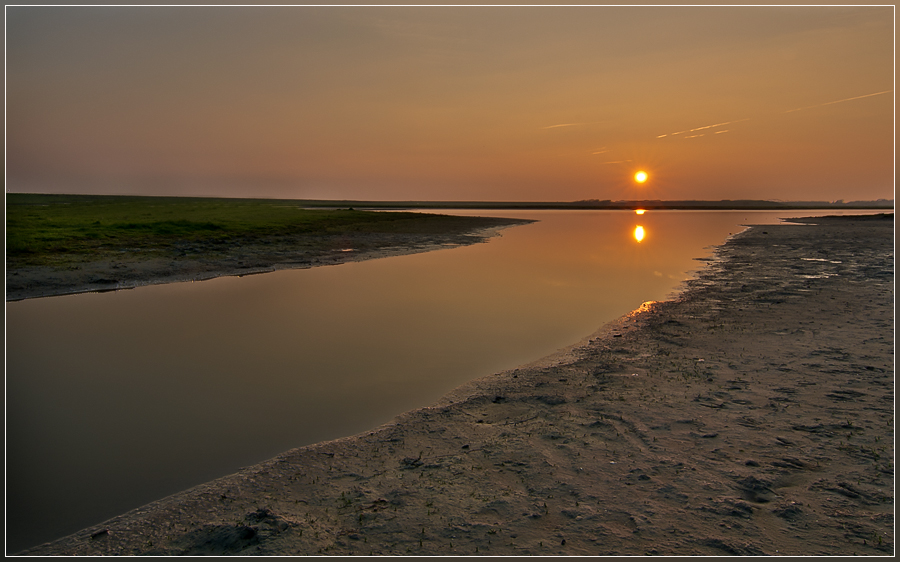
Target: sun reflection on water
[(639, 233)]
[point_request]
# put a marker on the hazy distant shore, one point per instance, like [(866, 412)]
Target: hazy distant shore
[(610, 205), (752, 414)]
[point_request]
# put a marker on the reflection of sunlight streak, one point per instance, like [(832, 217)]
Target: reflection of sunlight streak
[(693, 136), (839, 101), (645, 307), (639, 233), (603, 150), (720, 132), (618, 162)]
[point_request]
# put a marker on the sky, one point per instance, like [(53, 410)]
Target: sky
[(520, 103)]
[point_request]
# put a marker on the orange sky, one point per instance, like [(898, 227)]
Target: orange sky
[(452, 103)]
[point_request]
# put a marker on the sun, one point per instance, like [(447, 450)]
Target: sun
[(641, 176)]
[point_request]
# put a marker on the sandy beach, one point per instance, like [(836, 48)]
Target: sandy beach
[(750, 415)]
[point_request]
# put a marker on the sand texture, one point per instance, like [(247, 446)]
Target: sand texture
[(751, 415), (199, 261)]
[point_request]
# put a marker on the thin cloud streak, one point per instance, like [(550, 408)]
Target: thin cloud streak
[(839, 101)]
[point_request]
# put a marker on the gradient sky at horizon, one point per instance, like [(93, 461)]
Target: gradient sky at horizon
[(452, 103)]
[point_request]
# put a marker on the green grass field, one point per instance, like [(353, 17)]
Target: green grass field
[(59, 229)]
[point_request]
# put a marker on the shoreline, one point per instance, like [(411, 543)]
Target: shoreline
[(751, 414), (239, 260)]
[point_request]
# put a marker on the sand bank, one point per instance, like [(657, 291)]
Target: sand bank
[(203, 261), (751, 415)]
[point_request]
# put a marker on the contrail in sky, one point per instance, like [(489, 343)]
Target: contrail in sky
[(563, 125), (572, 125), (702, 128), (839, 101), (788, 111)]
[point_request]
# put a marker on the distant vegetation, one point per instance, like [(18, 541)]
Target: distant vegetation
[(59, 229)]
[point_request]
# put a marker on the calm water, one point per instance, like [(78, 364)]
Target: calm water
[(117, 399)]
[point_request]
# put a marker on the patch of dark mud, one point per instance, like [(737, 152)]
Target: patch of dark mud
[(240, 538)]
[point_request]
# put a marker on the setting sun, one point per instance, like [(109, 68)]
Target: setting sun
[(641, 176), (639, 233)]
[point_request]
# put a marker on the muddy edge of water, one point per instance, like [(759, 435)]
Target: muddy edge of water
[(752, 414)]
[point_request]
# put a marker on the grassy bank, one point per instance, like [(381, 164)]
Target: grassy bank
[(66, 244), (60, 229)]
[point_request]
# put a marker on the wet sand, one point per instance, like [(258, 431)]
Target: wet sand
[(752, 414)]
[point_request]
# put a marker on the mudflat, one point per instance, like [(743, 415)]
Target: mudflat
[(751, 415)]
